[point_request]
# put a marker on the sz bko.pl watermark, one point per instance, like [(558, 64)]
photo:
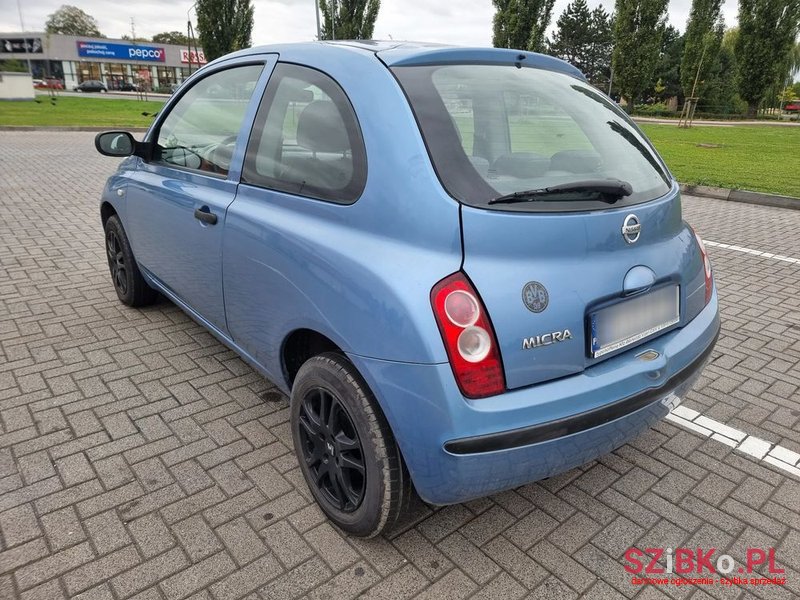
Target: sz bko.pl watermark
[(698, 566)]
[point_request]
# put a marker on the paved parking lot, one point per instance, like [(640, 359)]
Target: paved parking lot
[(140, 457)]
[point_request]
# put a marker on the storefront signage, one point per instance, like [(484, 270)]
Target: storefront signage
[(23, 45), (123, 51), (197, 58)]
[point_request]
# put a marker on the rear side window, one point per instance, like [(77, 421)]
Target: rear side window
[(201, 129), (494, 130), (306, 139)]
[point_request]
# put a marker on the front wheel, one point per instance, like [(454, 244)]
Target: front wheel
[(347, 452), (128, 282)]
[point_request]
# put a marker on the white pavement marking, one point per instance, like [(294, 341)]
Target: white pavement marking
[(778, 456), (780, 257)]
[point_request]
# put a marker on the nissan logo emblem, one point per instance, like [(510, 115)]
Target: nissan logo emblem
[(631, 229)]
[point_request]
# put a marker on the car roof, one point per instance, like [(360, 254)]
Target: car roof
[(405, 53)]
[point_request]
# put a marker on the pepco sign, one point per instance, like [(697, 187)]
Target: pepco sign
[(125, 51)]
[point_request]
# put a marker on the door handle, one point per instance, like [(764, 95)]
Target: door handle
[(205, 215)]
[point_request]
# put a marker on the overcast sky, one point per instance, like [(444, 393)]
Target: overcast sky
[(462, 22)]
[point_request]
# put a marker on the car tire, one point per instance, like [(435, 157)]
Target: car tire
[(131, 287), (363, 502)]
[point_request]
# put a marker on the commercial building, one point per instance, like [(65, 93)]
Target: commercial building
[(74, 59)]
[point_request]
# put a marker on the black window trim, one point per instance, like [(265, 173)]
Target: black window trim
[(353, 191)]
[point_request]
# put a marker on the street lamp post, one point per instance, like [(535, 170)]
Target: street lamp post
[(190, 35), (316, 13), (24, 39)]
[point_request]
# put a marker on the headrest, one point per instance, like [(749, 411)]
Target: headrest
[(320, 128)]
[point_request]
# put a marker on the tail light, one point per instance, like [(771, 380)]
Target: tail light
[(706, 266), (468, 337)]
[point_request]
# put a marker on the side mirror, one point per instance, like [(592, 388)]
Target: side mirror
[(115, 143)]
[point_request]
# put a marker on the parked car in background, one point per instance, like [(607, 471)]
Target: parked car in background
[(91, 85), (127, 86), (467, 267)]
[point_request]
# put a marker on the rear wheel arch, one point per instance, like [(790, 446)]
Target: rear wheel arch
[(301, 345)]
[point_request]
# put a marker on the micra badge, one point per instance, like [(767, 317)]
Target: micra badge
[(546, 339)]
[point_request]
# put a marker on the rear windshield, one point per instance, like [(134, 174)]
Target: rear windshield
[(494, 130)]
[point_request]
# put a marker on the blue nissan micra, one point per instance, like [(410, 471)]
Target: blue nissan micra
[(467, 267)]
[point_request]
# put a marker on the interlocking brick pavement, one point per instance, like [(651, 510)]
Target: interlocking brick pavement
[(140, 457)]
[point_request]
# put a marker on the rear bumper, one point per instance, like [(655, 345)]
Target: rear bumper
[(573, 424), (458, 449)]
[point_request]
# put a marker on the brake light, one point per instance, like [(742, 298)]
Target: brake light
[(468, 337), (706, 266)]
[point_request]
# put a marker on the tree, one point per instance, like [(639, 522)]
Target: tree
[(348, 19), (138, 38), (71, 20), (638, 31), (598, 65), (668, 66), (171, 37), (793, 59), (789, 67), (720, 93), (521, 24), (224, 26), (787, 95), (584, 39), (12, 65), (701, 43), (767, 33), (573, 37)]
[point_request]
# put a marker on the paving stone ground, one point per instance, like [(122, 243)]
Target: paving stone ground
[(141, 458)]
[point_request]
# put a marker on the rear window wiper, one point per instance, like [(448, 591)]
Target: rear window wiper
[(610, 190)]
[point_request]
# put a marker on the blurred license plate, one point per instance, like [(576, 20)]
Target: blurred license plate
[(628, 322)]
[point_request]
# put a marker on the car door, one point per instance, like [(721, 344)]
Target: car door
[(177, 200)]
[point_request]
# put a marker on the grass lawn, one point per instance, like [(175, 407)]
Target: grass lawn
[(761, 159), (86, 112)]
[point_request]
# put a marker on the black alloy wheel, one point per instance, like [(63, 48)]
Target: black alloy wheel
[(346, 449), (332, 449), (130, 285), (116, 263)]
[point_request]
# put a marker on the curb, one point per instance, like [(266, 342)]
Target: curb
[(718, 122), (741, 196)]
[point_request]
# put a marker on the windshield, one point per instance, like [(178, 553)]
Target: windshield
[(496, 130)]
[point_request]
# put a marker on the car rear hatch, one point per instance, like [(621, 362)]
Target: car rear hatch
[(571, 223), (566, 290)]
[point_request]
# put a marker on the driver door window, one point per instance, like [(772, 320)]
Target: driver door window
[(201, 129)]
